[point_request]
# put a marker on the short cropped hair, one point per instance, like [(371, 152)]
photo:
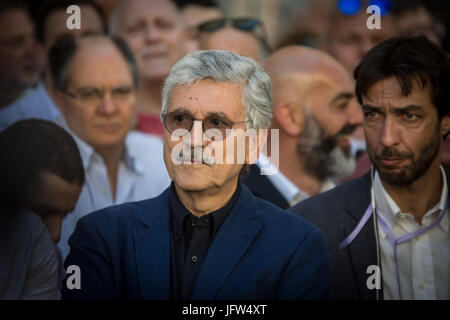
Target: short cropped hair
[(409, 60), (29, 147), (64, 49), (50, 6), (225, 66)]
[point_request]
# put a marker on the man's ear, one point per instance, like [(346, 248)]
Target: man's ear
[(445, 125), (290, 118)]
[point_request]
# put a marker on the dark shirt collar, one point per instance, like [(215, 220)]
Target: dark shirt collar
[(180, 215)]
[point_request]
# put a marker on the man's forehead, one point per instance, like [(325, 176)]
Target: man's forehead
[(133, 10), (13, 22), (390, 89), (207, 96)]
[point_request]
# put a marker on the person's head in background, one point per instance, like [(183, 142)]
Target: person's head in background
[(20, 55), (41, 171), (153, 30), (194, 13), (52, 20), (414, 18), (316, 111), (349, 38), (95, 80), (244, 36)]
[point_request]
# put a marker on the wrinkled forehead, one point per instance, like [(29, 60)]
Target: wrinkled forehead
[(206, 97)]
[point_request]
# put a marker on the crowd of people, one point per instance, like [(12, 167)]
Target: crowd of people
[(119, 152)]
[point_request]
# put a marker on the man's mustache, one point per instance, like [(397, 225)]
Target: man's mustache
[(393, 153)]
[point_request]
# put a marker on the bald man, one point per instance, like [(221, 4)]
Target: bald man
[(315, 111)]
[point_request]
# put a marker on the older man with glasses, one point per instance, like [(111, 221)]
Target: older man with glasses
[(205, 237), (95, 79)]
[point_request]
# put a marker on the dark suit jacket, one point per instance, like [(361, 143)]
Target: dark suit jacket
[(336, 213), (260, 252), (261, 187)]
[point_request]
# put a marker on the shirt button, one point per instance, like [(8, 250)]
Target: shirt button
[(193, 224), (206, 220), (422, 286), (194, 259)]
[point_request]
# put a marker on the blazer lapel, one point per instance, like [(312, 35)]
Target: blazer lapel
[(363, 248), (152, 247), (229, 245)]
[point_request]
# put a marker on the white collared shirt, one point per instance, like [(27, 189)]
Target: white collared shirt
[(142, 174), (424, 262), (285, 186), (35, 103)]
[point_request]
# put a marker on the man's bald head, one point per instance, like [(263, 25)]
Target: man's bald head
[(298, 70)]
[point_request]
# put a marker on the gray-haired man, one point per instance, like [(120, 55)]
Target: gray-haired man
[(206, 236)]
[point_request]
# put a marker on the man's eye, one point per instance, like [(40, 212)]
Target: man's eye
[(217, 123), (88, 94), (370, 114), (410, 116), (180, 118)]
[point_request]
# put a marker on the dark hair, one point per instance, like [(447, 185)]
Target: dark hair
[(6, 5), (181, 4), (29, 147), (410, 61), (64, 49), (50, 6)]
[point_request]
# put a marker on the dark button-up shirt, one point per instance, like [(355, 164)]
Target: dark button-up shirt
[(191, 238)]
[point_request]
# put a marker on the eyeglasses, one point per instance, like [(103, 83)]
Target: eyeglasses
[(252, 25), (212, 125), (93, 96), (351, 7)]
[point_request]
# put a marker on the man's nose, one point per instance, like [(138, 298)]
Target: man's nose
[(390, 134), (197, 133), (107, 104)]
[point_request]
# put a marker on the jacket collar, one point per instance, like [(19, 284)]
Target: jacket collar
[(153, 247)]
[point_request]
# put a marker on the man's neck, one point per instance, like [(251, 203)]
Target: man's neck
[(111, 157), (421, 195), (149, 97), (200, 203), (292, 167)]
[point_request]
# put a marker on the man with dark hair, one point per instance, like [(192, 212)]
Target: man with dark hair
[(20, 64), (396, 217), (42, 175), (51, 25), (95, 80)]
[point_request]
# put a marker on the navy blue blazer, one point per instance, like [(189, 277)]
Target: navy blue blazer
[(260, 252)]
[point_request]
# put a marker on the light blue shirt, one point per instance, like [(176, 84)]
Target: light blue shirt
[(142, 174), (34, 103)]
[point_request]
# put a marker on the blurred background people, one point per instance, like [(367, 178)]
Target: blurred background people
[(244, 36), (95, 80), (42, 176), (194, 13), (51, 25), (20, 55), (154, 31), (315, 111)]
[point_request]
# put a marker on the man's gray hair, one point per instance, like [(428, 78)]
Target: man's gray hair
[(225, 66)]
